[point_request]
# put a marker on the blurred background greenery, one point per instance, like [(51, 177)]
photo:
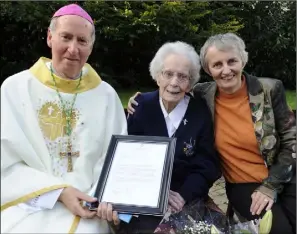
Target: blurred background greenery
[(128, 34)]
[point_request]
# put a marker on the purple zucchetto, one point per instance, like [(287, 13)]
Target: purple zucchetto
[(73, 9)]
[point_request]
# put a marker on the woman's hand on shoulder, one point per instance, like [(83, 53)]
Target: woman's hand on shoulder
[(131, 102)]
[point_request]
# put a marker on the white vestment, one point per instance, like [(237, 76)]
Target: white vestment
[(33, 138)]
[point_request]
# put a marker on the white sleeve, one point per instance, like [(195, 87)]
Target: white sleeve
[(45, 201)]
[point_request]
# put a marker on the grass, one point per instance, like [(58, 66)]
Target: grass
[(126, 94), (291, 98)]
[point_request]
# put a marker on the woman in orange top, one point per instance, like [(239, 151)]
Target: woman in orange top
[(255, 133)]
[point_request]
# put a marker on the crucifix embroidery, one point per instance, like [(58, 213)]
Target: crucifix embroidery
[(69, 154), (50, 110)]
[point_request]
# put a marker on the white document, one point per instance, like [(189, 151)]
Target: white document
[(28, 208), (135, 175), (46, 200)]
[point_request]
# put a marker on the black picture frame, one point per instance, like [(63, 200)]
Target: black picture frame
[(165, 181)]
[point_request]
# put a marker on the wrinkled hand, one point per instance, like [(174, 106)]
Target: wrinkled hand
[(130, 109), (72, 198), (105, 212), (171, 209), (259, 202), (175, 201)]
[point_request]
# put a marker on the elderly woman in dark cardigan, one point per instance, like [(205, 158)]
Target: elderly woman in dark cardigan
[(171, 111), (255, 133)]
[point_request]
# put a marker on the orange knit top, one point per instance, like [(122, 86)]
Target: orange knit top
[(235, 138)]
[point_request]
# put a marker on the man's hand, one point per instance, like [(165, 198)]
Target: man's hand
[(175, 201), (130, 109), (72, 198), (105, 212), (259, 202)]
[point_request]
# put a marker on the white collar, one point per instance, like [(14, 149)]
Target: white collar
[(84, 69), (177, 114)]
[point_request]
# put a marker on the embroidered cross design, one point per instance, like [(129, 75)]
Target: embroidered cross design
[(50, 110)]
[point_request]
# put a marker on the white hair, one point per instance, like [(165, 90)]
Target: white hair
[(178, 48), (53, 25), (224, 42)]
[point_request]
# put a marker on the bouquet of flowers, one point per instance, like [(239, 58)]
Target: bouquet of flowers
[(202, 217), (258, 226)]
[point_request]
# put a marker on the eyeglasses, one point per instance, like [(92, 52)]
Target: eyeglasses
[(181, 77)]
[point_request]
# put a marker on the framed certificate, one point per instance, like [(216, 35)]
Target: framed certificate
[(136, 174)]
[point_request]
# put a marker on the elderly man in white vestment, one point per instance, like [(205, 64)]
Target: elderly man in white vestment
[(57, 119)]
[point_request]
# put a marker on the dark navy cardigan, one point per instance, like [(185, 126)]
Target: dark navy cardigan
[(196, 164)]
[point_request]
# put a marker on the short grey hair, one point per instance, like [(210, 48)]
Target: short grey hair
[(224, 42), (178, 48), (53, 25)]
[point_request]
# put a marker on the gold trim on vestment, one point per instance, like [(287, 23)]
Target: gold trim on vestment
[(74, 224), (31, 196), (90, 79)]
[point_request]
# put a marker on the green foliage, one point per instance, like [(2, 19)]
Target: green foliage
[(291, 99), (23, 37), (270, 36), (128, 34)]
